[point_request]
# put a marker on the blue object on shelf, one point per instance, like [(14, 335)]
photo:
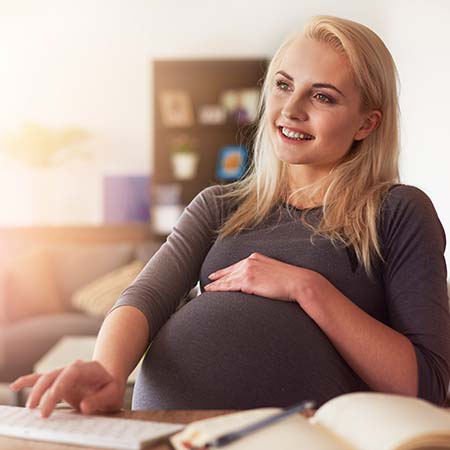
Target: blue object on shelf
[(232, 162)]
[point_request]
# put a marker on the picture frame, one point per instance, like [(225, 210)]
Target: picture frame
[(176, 108)]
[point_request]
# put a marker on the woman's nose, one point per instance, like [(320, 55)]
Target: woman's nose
[(294, 109)]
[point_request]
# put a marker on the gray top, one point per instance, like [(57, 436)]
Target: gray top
[(233, 350)]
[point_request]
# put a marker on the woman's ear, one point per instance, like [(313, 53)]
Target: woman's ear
[(371, 122)]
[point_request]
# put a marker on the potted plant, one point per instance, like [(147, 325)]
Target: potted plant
[(184, 157)]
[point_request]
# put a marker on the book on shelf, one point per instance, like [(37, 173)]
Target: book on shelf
[(356, 421)]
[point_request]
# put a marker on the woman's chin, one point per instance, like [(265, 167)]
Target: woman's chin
[(289, 157)]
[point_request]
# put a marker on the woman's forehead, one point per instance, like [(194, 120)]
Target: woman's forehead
[(305, 57)]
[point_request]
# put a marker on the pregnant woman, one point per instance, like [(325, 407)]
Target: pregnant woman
[(320, 274)]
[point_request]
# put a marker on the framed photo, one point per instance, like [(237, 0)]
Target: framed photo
[(176, 108), (231, 163)]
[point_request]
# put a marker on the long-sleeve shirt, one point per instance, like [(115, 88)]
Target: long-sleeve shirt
[(233, 350)]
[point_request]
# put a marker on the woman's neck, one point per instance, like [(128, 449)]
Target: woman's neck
[(312, 183)]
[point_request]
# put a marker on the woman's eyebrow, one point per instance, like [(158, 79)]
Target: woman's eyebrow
[(315, 85)]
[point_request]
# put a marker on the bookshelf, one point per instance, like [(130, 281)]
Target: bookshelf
[(203, 82)]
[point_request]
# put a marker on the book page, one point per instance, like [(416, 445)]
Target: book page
[(292, 433), (373, 421)]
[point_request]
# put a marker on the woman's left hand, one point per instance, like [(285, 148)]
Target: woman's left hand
[(266, 277)]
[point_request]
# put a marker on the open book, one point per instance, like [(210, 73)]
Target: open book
[(356, 421)]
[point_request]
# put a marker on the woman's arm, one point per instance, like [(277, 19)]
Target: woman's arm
[(121, 342), (382, 357), (98, 385)]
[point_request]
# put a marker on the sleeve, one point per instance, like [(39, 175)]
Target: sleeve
[(174, 269), (415, 273)]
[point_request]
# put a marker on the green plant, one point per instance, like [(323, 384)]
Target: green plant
[(182, 144)]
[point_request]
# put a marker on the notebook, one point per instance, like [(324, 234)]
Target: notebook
[(356, 421)]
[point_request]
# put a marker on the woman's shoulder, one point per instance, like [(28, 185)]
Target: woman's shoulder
[(213, 194), (214, 200), (207, 200), (215, 190), (406, 191), (405, 196), (408, 206)]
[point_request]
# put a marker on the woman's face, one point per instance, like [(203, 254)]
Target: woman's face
[(314, 107)]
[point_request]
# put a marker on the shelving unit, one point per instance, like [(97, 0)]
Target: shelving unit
[(204, 81)]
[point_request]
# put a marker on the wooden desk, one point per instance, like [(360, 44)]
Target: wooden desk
[(174, 416)]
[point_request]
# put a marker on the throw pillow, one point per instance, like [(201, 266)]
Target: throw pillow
[(98, 297), (77, 265), (28, 287)]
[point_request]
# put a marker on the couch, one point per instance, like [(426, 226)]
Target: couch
[(28, 328)]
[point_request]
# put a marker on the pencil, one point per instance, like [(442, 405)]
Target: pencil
[(227, 438)]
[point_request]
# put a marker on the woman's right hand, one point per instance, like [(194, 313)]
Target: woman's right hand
[(86, 386)]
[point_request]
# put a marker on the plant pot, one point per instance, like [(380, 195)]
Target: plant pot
[(184, 165)]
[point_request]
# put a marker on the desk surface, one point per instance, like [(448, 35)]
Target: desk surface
[(174, 416)]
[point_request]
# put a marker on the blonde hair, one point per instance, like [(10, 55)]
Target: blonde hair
[(352, 193)]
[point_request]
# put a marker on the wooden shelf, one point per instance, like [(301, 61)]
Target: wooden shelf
[(228, 126), (204, 81)]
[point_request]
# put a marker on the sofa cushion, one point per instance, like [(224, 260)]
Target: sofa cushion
[(98, 297), (24, 342), (78, 265), (28, 287)]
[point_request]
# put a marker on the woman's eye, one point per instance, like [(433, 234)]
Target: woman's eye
[(323, 98), (281, 85)]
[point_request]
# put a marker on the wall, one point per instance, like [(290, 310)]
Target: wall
[(417, 35), (87, 63)]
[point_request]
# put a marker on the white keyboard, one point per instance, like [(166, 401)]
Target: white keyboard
[(74, 428)]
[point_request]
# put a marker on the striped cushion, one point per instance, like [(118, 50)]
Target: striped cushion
[(97, 297)]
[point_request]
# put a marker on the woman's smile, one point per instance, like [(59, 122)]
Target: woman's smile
[(295, 134), (294, 137)]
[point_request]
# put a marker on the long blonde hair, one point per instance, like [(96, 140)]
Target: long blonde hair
[(353, 192)]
